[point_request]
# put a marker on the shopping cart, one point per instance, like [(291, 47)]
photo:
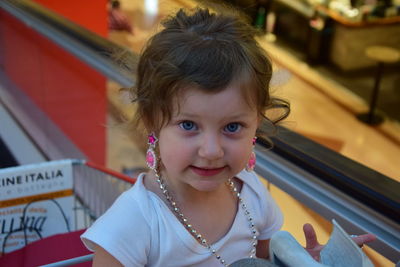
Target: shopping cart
[(86, 192)]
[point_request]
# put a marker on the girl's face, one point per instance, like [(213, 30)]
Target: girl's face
[(208, 139)]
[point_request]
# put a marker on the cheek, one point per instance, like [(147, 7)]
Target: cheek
[(174, 153), (166, 154), (241, 153)]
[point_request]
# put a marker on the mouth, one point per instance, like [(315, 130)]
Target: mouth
[(204, 171)]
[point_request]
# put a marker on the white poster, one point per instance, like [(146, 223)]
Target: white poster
[(36, 201)]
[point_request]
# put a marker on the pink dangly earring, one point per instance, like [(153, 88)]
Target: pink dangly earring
[(252, 160), (151, 158)]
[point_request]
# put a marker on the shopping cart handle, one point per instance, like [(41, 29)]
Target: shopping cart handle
[(70, 261)]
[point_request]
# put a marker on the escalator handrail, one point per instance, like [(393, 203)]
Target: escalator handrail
[(91, 48), (362, 183)]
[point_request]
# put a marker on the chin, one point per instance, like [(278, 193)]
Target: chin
[(206, 189), (208, 185)]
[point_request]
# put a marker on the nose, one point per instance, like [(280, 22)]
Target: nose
[(211, 147)]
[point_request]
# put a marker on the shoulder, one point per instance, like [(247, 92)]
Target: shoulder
[(124, 230), (133, 204), (269, 217), (254, 190), (253, 182)]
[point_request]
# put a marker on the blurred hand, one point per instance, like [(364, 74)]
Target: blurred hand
[(314, 248)]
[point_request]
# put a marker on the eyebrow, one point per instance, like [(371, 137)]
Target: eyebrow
[(185, 114), (234, 117)]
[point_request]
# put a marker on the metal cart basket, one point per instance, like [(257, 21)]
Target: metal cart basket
[(75, 191)]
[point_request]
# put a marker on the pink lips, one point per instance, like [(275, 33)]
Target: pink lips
[(206, 171)]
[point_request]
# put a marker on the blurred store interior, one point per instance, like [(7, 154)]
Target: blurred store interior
[(344, 99)]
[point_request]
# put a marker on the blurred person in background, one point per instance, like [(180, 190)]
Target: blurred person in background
[(117, 19)]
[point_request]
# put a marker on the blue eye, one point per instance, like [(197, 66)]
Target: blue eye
[(232, 127), (188, 125)]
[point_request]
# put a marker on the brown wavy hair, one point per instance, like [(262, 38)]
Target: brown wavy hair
[(205, 50)]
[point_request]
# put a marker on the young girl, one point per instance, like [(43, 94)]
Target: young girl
[(202, 91)]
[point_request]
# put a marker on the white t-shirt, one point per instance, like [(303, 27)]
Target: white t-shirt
[(140, 230)]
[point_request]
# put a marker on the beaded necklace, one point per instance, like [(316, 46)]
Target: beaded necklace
[(196, 234)]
